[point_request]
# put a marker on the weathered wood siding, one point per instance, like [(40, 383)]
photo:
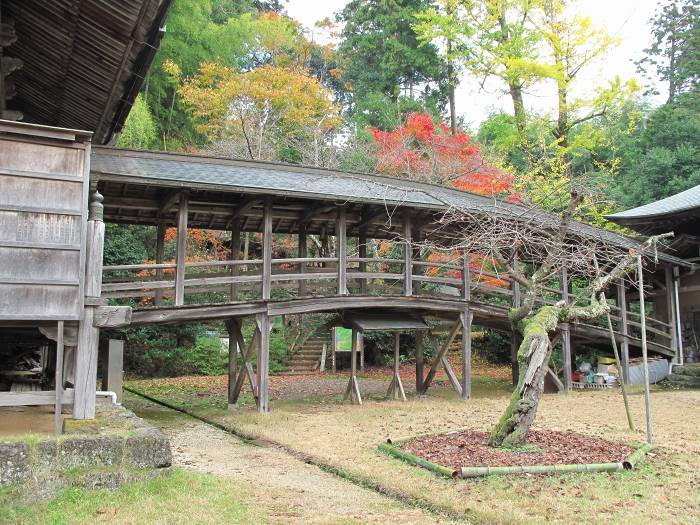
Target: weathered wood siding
[(43, 205)]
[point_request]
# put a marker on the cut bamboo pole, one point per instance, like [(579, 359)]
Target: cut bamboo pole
[(642, 312)]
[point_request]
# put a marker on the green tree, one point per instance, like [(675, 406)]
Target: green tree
[(663, 156), (381, 55), (674, 54), (140, 130)]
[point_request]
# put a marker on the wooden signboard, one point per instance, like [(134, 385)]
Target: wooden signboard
[(43, 215)]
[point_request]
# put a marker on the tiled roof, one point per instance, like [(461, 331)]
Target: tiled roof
[(683, 201), (197, 171)]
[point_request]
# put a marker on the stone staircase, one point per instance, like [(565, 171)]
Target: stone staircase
[(687, 376), (307, 357)]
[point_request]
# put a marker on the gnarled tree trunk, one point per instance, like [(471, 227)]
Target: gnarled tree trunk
[(533, 358)]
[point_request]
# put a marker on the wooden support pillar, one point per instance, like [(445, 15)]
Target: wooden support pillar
[(160, 251), (407, 256), (624, 329), (515, 338), (341, 241), (88, 335), (181, 249), (677, 326), (419, 361), (362, 253), (361, 348), (58, 380), (234, 328), (246, 370), (566, 335), (466, 318), (303, 253), (352, 392), (671, 307), (334, 349), (235, 255), (396, 390), (440, 359), (643, 322), (267, 252), (263, 362), (113, 371)]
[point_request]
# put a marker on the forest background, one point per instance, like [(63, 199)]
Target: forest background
[(373, 90)]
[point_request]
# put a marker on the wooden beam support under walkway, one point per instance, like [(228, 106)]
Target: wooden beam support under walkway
[(352, 392), (396, 390)]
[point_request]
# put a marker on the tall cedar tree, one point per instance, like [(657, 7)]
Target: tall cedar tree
[(380, 50)]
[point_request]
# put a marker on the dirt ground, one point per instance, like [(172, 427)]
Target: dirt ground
[(281, 487), (345, 437)]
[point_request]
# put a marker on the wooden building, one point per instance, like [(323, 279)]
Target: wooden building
[(678, 291)]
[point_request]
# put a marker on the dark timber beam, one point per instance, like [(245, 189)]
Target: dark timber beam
[(169, 201)]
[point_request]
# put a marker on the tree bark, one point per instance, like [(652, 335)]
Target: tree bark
[(516, 93), (533, 356)]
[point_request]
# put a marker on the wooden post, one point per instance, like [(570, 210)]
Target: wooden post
[(566, 334), (407, 256), (234, 334), (341, 241), (113, 372), (624, 328), (235, 255), (267, 252), (643, 318), (362, 253), (466, 278), (303, 253), (263, 364), (416, 257), (396, 390), (419, 362), (333, 349), (677, 321), (671, 307), (466, 317), (361, 344), (439, 359), (160, 251), (352, 392), (88, 335), (515, 339), (58, 380), (181, 249)]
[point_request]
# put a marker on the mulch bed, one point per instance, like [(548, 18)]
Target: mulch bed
[(468, 449)]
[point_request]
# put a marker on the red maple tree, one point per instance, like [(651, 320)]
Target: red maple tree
[(420, 150)]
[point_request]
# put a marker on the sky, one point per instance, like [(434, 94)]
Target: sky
[(625, 19)]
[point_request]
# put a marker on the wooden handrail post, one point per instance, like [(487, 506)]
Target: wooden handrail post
[(160, 251), (341, 241), (407, 257), (303, 253), (362, 253), (181, 249), (235, 255), (267, 251), (566, 334), (624, 329), (466, 277), (671, 307)]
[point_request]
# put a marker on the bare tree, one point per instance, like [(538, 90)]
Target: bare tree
[(532, 248)]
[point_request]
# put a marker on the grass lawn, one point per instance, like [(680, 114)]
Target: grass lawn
[(177, 498), (345, 438)]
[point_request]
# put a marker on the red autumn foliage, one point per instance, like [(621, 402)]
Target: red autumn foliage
[(422, 151)]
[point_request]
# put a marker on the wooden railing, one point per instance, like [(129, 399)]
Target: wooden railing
[(242, 281)]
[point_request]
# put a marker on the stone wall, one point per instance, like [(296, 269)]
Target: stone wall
[(116, 446)]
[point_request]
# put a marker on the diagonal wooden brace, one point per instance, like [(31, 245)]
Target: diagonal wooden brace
[(438, 359)]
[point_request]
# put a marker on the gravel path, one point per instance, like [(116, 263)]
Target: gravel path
[(284, 488)]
